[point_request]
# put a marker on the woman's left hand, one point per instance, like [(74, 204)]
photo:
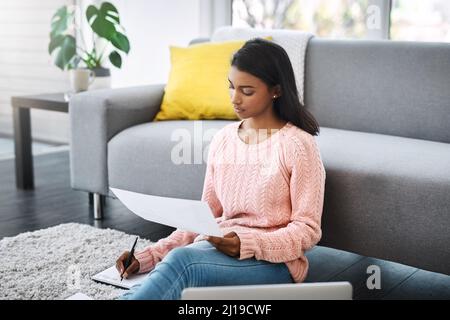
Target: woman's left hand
[(230, 244)]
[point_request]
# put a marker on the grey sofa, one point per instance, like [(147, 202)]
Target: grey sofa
[(384, 112)]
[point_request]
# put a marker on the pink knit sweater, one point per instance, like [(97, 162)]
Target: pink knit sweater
[(270, 193)]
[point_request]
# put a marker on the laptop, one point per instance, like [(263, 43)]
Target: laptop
[(341, 290)]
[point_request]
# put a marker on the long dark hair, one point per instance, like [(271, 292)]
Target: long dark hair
[(269, 62)]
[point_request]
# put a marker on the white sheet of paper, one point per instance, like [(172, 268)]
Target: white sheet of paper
[(185, 214), (79, 296), (112, 276)]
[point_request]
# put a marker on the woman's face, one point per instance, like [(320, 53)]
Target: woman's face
[(250, 96)]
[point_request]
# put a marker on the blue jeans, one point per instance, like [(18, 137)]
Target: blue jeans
[(200, 264)]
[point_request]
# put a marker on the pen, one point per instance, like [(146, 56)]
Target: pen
[(128, 261)]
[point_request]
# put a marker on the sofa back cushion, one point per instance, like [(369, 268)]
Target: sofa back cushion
[(388, 87)]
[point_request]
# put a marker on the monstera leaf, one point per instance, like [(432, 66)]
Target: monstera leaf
[(105, 22), (115, 59), (60, 21), (66, 46), (63, 44)]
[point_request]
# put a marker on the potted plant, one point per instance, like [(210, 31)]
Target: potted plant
[(70, 50)]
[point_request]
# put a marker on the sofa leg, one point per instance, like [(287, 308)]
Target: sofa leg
[(98, 206)]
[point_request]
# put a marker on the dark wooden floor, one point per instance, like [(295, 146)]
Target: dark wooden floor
[(53, 202)]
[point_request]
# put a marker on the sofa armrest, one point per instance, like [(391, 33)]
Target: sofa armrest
[(95, 117)]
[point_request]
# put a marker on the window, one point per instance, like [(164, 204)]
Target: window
[(420, 20), (410, 20), (325, 18)]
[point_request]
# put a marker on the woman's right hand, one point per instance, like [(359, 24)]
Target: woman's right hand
[(132, 268)]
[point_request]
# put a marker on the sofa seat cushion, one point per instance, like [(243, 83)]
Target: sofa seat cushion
[(140, 158), (379, 182)]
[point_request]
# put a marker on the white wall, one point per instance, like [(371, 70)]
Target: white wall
[(25, 67), (152, 26)]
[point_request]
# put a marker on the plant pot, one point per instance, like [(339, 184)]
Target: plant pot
[(102, 79)]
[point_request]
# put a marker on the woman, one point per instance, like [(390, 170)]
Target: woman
[(264, 183)]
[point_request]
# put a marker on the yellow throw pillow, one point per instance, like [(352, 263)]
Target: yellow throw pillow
[(198, 87)]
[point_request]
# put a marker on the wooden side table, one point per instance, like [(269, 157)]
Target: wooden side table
[(22, 131)]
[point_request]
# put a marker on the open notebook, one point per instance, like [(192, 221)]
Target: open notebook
[(111, 276)]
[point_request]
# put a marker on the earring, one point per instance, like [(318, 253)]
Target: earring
[(274, 97)]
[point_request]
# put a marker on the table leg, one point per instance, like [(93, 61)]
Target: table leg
[(22, 148)]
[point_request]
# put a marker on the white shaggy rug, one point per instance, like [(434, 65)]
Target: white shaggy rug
[(58, 262)]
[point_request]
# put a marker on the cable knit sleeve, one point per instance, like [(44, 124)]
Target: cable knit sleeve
[(307, 187), (154, 253)]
